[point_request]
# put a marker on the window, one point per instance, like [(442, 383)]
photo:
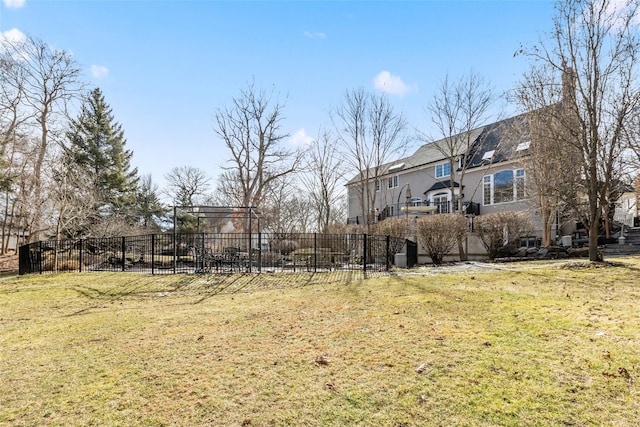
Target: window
[(441, 200), (377, 185), (487, 184), (520, 184), (443, 169), (504, 186), (393, 181)]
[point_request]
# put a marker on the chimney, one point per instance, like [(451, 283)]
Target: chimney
[(568, 84)]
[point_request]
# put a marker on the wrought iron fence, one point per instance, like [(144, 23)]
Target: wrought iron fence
[(212, 253)]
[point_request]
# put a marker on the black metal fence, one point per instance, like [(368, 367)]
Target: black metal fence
[(213, 253)]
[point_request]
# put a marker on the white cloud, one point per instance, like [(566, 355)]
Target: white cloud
[(301, 138), (13, 4), (99, 72), (393, 85), (13, 37), (315, 35)]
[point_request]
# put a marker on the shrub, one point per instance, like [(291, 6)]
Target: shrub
[(284, 246), (491, 230), (438, 234), (345, 229), (395, 227)]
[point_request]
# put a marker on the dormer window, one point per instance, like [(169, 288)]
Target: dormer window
[(443, 170)]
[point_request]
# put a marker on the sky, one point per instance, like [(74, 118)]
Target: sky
[(165, 66)]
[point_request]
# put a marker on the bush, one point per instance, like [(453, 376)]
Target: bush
[(284, 246), (345, 229), (438, 234), (491, 230), (394, 227)]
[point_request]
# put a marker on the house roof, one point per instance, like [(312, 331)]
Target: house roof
[(441, 185), (430, 152), (492, 143)]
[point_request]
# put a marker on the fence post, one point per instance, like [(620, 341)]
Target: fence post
[(388, 257), (315, 252), (259, 251), (124, 248), (364, 258), (153, 253), (40, 253), (175, 241), (250, 241), (80, 255)]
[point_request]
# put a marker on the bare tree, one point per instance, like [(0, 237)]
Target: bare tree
[(186, 185), (287, 208), (457, 109), (17, 188), (48, 79), (324, 171), (541, 150), (75, 199), (251, 130), (596, 43), (372, 134)]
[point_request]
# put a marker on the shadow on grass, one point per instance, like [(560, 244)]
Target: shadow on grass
[(116, 286)]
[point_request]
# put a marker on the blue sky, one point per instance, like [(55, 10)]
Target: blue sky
[(165, 67)]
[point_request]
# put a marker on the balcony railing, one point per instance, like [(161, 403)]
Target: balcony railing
[(396, 210)]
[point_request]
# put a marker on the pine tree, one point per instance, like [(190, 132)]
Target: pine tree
[(97, 144), (150, 210)]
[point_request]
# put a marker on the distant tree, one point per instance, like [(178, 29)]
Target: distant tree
[(456, 109), (371, 134), (597, 43), (96, 144), (187, 185), (324, 171), (47, 80), (251, 130), (287, 208), (150, 210), (75, 199)]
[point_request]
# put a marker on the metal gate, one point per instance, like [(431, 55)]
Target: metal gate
[(412, 253)]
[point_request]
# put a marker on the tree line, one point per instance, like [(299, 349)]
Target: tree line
[(71, 177)]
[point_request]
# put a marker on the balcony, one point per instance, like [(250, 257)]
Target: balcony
[(441, 207)]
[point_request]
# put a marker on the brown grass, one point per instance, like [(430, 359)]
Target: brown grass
[(534, 345)]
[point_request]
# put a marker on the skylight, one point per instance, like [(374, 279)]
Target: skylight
[(523, 146), (396, 167), (488, 155)]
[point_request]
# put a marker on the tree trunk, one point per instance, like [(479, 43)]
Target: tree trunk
[(593, 242)]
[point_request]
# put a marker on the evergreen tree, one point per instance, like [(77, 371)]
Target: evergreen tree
[(150, 210), (97, 145)]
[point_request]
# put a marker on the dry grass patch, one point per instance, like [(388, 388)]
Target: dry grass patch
[(538, 346)]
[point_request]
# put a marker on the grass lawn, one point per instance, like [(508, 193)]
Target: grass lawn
[(533, 344)]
